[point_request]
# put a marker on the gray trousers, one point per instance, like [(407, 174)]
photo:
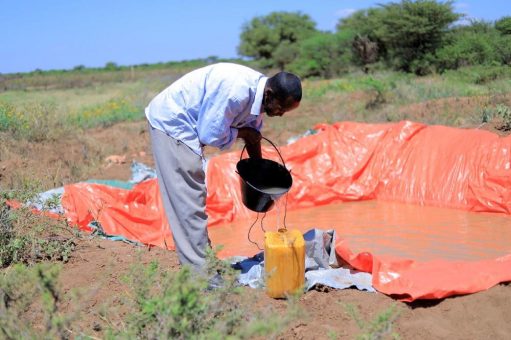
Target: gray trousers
[(181, 179)]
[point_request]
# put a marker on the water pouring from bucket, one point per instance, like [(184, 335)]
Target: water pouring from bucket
[(262, 181)]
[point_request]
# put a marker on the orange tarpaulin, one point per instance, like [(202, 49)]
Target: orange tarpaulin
[(404, 162)]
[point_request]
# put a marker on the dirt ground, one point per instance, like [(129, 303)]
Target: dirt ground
[(98, 265)]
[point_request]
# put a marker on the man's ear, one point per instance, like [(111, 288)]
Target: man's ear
[(268, 94)]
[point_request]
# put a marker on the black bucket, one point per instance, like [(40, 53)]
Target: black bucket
[(262, 181)]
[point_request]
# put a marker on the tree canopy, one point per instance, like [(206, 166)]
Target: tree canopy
[(417, 36), (273, 38)]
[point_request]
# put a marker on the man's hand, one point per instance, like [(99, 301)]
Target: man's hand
[(252, 139)]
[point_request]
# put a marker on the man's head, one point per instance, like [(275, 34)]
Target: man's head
[(282, 93)]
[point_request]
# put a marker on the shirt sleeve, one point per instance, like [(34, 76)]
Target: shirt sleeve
[(214, 125), (256, 123)]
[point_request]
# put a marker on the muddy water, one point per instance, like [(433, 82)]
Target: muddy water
[(385, 228), (273, 190)]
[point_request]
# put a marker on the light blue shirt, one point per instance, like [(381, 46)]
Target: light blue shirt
[(208, 105)]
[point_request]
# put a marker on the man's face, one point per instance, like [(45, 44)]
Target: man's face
[(275, 108)]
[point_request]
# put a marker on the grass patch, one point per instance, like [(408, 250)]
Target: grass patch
[(379, 81), (103, 115), (86, 77), (32, 292), (39, 115), (34, 122), (378, 328), (499, 114), (479, 75), (28, 237), (157, 304), (404, 88), (179, 305)]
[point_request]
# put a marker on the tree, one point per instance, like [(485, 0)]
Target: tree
[(285, 54), (111, 66), (274, 38), (323, 55), (366, 24), (365, 50), (503, 25), (407, 33), (413, 30), (478, 43)]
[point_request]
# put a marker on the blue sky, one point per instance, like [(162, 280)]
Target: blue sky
[(51, 34)]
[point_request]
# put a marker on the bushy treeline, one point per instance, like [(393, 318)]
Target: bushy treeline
[(82, 76), (420, 37), (415, 36)]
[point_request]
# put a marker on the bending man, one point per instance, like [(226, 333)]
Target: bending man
[(211, 106)]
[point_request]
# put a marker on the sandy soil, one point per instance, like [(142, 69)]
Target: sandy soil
[(97, 266)]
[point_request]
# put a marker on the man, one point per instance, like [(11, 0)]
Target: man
[(211, 106)]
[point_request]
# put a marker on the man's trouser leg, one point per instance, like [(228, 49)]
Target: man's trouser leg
[(182, 185)]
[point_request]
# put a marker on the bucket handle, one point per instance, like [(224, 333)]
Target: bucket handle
[(269, 141)]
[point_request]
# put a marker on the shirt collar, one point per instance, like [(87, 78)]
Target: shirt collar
[(258, 99)]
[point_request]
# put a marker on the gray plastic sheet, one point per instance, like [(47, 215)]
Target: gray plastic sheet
[(320, 263)]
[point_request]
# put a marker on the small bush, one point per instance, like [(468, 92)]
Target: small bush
[(500, 115), (377, 89), (378, 328), (34, 122), (34, 289), (179, 305), (28, 237), (159, 304)]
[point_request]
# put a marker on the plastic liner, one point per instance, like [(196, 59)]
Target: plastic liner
[(407, 162), (319, 255), (136, 214)]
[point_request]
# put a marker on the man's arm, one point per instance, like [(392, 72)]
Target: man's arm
[(252, 139)]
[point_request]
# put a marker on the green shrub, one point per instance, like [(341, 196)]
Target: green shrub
[(28, 237), (158, 304), (499, 114), (34, 122), (324, 55), (479, 75), (377, 88), (178, 305), (7, 116), (503, 25), (35, 289), (470, 47), (378, 328)]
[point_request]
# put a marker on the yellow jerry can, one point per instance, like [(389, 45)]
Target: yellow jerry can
[(284, 262)]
